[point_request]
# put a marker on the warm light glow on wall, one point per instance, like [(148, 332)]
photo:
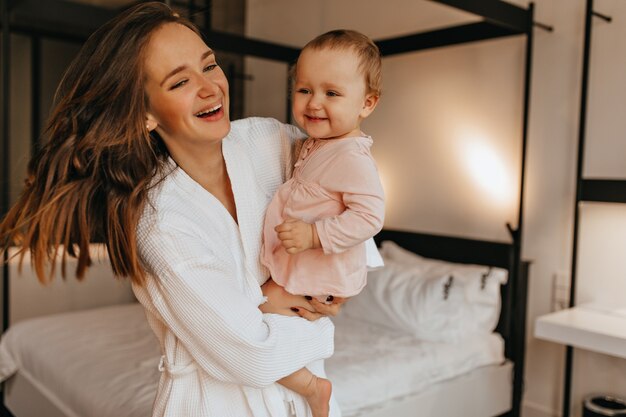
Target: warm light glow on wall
[(487, 170)]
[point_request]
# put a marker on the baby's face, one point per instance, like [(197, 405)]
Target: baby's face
[(330, 96)]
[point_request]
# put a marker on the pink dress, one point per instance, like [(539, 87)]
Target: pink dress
[(335, 185)]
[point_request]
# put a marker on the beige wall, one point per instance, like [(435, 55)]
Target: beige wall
[(441, 104)]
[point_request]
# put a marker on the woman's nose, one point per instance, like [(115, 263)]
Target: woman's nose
[(208, 87)]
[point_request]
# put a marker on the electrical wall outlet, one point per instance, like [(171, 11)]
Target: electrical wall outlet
[(560, 290)]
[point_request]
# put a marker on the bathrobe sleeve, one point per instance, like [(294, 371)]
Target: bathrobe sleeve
[(354, 177), (205, 306)]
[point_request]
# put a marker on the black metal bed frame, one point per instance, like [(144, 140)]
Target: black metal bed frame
[(512, 322), (73, 22)]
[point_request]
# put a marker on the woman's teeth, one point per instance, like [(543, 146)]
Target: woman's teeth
[(209, 112)]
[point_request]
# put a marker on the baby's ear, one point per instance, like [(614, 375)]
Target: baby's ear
[(369, 104)]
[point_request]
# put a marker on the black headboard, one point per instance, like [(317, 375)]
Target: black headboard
[(452, 249), (512, 322)]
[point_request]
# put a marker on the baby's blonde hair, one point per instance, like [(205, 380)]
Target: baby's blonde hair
[(364, 47)]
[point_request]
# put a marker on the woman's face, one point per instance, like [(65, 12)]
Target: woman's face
[(186, 89)]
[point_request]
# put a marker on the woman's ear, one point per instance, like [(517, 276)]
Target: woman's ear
[(151, 122), (371, 100)]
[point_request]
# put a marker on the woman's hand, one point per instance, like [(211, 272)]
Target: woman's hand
[(280, 301), (321, 309)]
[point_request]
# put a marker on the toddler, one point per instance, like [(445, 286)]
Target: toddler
[(320, 221)]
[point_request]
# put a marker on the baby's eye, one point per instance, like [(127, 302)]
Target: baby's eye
[(210, 67), (332, 93), (303, 91), (178, 84)]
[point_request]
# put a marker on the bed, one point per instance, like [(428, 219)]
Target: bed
[(103, 362), (492, 387)]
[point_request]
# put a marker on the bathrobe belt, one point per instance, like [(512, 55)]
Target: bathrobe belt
[(256, 398), (176, 371)]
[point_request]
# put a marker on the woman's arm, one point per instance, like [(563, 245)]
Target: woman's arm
[(202, 301)]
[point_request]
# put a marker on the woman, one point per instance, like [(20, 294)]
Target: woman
[(141, 153)]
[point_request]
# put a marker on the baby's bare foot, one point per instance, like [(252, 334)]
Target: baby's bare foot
[(319, 396)]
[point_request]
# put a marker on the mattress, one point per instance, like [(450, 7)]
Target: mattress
[(374, 364), (103, 362)]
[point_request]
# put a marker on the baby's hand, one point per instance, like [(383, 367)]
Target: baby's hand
[(297, 236)]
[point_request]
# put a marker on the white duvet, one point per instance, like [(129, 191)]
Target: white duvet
[(103, 362), (100, 363), (374, 364)]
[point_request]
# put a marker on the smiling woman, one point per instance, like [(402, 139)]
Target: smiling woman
[(185, 88), (187, 96), (140, 150)]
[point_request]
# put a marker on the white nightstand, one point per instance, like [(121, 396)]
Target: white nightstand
[(587, 327)]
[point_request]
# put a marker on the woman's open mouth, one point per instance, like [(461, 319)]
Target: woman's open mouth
[(209, 112)]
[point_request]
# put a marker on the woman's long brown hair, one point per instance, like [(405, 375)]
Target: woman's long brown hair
[(91, 176)]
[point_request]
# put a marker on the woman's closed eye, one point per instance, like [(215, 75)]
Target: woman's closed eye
[(179, 84), (182, 82)]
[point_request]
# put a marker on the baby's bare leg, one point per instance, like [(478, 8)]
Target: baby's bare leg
[(315, 390), (280, 301)]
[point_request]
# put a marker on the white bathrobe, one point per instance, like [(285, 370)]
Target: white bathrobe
[(222, 356)]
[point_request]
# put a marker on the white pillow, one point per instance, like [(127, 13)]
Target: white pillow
[(433, 300), (481, 283)]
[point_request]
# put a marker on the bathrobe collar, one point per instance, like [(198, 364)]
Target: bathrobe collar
[(250, 200)]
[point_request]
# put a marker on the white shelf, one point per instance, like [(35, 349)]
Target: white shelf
[(586, 328)]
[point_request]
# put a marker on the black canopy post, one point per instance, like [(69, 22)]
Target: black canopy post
[(4, 146), (582, 128)]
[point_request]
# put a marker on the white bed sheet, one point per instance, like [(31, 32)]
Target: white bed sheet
[(100, 362), (103, 362), (366, 353)]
